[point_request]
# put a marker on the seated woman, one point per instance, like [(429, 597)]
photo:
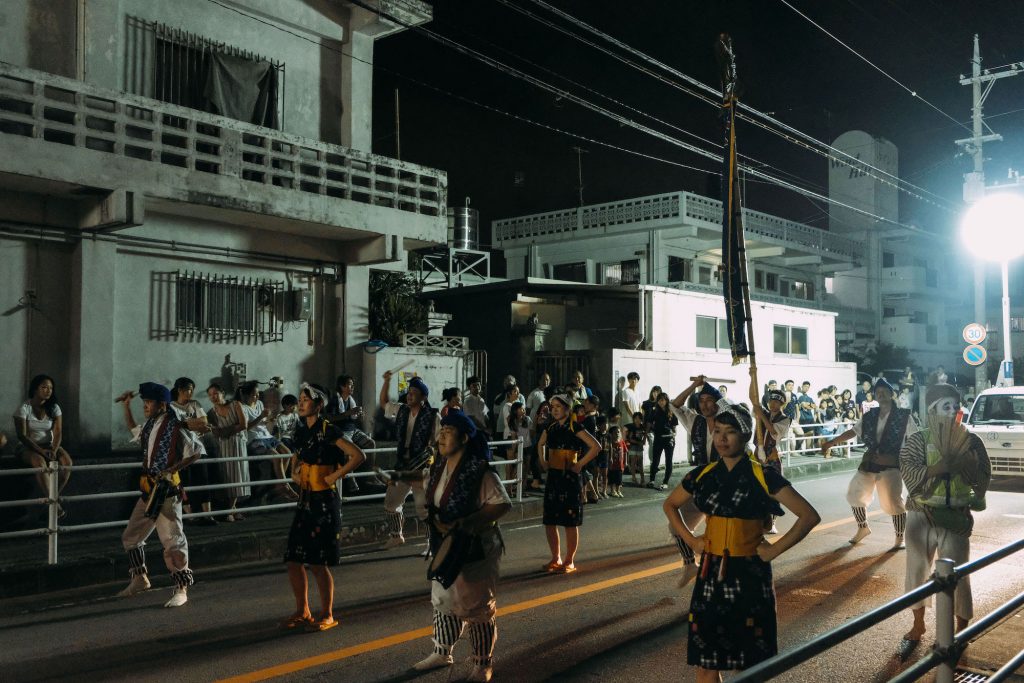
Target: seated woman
[(39, 427), (732, 621), (261, 441)]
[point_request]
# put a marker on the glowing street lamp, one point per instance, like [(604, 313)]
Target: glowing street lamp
[(993, 230)]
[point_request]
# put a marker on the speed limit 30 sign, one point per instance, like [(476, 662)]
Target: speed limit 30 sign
[(974, 333)]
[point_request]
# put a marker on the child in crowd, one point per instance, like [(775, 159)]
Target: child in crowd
[(614, 418), (287, 421), (601, 466), (616, 460), (636, 438), (520, 425)]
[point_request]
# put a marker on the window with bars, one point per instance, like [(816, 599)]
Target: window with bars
[(227, 307), (622, 273), (679, 269), (573, 272), (183, 68)]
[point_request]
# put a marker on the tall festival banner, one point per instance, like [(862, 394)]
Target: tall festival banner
[(735, 287)]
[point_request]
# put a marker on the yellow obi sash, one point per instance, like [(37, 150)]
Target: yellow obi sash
[(561, 458), (312, 477), (733, 536), (146, 482)]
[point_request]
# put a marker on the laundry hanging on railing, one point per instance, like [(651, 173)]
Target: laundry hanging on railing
[(242, 89)]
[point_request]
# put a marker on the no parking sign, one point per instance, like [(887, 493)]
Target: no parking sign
[(975, 355)]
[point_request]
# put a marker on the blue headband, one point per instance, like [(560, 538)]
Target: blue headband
[(417, 383), (151, 391), (458, 420)]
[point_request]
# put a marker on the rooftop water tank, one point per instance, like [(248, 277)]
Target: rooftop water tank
[(463, 227)]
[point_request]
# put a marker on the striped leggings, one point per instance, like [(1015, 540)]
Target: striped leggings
[(483, 635)]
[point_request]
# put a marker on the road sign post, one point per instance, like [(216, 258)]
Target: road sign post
[(975, 355)]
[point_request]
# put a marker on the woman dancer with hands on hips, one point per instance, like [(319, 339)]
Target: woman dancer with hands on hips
[(322, 457), (732, 611)]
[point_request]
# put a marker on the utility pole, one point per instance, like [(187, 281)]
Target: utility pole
[(974, 182), (579, 169)]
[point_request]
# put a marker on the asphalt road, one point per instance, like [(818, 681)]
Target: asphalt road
[(621, 617)]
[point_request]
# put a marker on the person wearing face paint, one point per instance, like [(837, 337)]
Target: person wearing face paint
[(322, 456), (947, 473), (168, 446), (883, 430), (732, 619), (700, 425), (564, 448), (465, 498), (416, 427)]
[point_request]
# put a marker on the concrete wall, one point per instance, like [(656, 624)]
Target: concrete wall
[(34, 331), (40, 34)]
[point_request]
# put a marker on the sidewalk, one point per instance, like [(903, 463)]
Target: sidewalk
[(95, 557)]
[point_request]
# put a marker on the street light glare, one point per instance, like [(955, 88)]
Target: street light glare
[(993, 227)]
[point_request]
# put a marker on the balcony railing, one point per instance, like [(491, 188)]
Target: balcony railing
[(675, 208), (64, 111)]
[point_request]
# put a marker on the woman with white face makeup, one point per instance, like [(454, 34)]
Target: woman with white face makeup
[(947, 472)]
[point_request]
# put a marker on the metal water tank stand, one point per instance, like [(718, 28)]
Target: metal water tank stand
[(448, 267)]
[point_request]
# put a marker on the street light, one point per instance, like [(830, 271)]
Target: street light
[(993, 230)]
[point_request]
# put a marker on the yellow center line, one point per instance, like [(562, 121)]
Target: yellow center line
[(406, 636)]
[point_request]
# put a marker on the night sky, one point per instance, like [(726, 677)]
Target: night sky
[(786, 66)]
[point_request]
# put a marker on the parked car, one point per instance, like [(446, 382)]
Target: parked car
[(997, 417)]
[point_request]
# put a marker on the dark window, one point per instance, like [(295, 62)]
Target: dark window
[(780, 335), (630, 272), (574, 272), (888, 259), (931, 334), (759, 279), (888, 312), (771, 282), (679, 269), (704, 275)]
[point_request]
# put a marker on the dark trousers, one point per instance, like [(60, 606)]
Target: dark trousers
[(666, 446)]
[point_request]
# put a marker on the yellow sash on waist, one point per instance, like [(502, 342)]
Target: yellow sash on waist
[(562, 458), (311, 477), (146, 482), (740, 537)]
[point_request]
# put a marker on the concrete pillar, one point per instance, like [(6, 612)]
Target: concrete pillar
[(354, 327), (92, 330), (357, 92)]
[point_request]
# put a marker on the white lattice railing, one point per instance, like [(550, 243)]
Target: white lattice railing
[(69, 112), (658, 210), (432, 341)]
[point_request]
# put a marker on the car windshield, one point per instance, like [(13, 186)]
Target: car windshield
[(998, 409)]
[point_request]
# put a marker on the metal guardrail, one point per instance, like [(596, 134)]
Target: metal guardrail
[(52, 470), (948, 645), (840, 427)]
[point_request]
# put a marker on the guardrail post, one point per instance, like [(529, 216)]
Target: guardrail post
[(52, 480), (519, 471), (944, 618)]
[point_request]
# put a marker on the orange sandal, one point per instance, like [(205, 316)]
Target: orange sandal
[(552, 566), (321, 625), (566, 569)]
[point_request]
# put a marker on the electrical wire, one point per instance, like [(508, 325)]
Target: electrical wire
[(913, 93), (576, 99), (843, 157)]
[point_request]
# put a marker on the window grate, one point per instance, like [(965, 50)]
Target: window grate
[(220, 308)]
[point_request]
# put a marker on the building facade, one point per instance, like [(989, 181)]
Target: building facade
[(188, 189), (881, 281)]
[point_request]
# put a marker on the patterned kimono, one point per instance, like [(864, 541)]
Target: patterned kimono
[(315, 535), (732, 611), (562, 490)]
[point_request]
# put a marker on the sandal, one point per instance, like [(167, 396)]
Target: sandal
[(552, 566), (906, 648), (296, 621), (566, 569), (321, 625)]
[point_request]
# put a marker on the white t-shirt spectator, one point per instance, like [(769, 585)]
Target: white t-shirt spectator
[(475, 407), (38, 430), (251, 413), (286, 424), (533, 402), (628, 402), (865, 406), (190, 410)]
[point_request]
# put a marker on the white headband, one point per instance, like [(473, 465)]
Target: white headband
[(314, 393)]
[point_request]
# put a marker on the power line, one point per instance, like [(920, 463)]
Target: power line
[(843, 157), (572, 97), (913, 93)]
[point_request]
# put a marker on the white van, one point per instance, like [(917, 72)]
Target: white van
[(997, 417)]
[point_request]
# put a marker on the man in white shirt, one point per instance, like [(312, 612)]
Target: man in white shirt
[(536, 397), (474, 405), (168, 446), (628, 401)]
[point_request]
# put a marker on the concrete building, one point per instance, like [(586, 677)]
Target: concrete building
[(188, 189), (881, 281)]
